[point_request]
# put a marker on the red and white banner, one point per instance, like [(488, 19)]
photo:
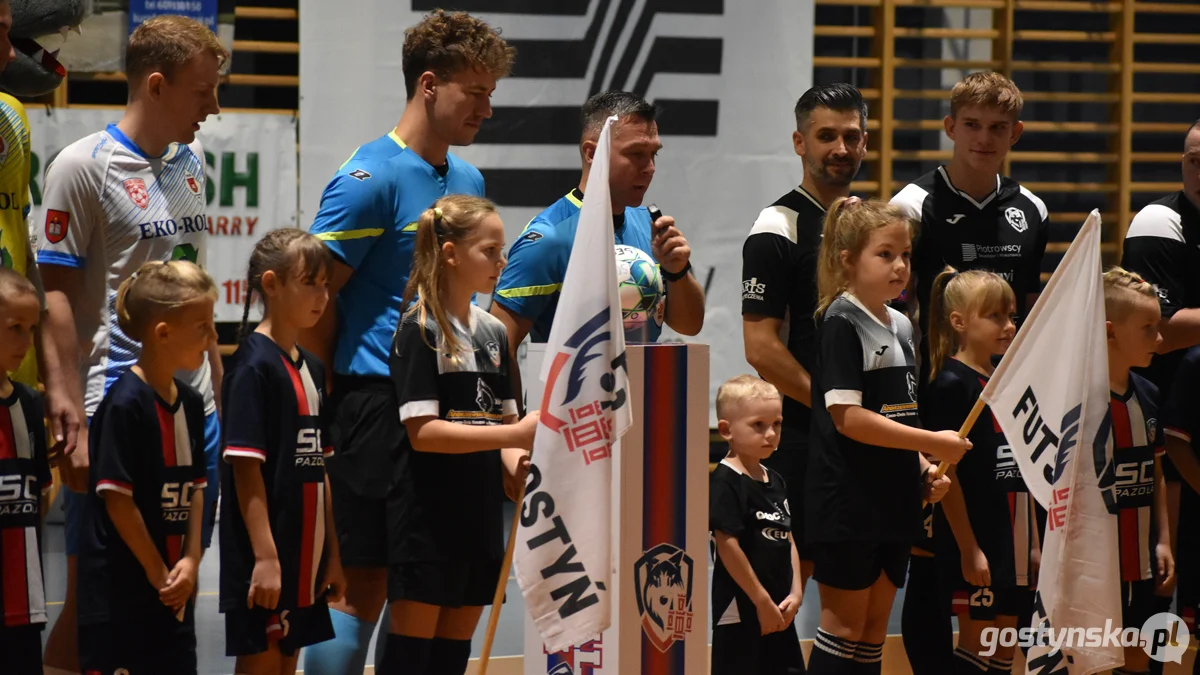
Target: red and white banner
[(1050, 395), (563, 555)]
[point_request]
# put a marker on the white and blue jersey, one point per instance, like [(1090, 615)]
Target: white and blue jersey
[(537, 263), (368, 219), (108, 209)]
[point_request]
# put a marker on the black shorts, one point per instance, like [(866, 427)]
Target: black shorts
[(21, 647), (366, 440), (139, 647), (856, 565), (251, 631), (790, 459), (739, 648), (985, 603), (462, 583), (1170, 473), (1138, 602)]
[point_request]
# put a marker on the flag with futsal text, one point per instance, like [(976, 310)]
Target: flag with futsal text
[(563, 554), (1050, 395)]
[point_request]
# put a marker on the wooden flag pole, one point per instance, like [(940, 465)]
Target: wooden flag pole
[(965, 429), (498, 598)]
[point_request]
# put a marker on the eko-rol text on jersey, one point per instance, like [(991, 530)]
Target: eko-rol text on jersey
[(108, 209)]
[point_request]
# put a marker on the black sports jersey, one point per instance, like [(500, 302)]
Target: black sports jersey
[(998, 505), (1179, 419), (1163, 245), (444, 506), (24, 478), (1005, 233), (154, 452), (274, 414), (758, 515), (779, 280), (1135, 442), (860, 492)]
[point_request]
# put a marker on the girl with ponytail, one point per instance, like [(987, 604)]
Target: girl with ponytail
[(866, 472), (279, 550), (462, 448), (985, 531)]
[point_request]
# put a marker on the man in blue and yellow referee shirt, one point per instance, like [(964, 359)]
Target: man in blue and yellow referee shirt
[(368, 218), (527, 295)]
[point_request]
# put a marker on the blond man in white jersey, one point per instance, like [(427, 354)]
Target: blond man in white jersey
[(116, 199)]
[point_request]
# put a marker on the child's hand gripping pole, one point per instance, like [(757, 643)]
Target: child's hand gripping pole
[(965, 429)]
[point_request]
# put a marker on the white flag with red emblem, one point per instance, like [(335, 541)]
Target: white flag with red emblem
[(1050, 395), (563, 553)]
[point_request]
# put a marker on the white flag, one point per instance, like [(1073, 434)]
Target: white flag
[(563, 551), (1050, 395)]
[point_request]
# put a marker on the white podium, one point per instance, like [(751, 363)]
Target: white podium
[(660, 517)]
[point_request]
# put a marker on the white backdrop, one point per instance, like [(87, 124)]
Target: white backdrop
[(726, 74), (252, 179)]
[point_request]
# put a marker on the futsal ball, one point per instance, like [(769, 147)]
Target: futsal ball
[(641, 287)]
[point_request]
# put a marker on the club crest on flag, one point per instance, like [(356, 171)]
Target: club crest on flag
[(582, 660), (136, 189), (193, 185), (563, 551), (1050, 396), (663, 582)]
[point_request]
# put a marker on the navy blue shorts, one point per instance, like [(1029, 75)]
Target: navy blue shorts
[(251, 631), (159, 647)]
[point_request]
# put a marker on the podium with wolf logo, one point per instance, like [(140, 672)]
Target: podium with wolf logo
[(660, 524)]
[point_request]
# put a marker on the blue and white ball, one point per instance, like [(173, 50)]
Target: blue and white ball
[(641, 286)]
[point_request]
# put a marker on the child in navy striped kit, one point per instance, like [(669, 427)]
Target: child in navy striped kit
[(279, 549), (140, 553), (24, 481)]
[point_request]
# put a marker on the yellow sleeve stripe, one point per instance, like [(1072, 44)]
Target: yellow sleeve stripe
[(529, 291), (350, 234), (411, 227)]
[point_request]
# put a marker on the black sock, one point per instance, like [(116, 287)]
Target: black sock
[(868, 658), (1000, 667), (967, 663), (448, 657), (831, 655), (405, 655)]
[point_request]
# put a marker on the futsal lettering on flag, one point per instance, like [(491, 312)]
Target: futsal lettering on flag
[(1050, 395), (563, 555)]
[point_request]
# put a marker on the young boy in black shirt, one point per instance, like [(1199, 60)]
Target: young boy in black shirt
[(756, 587)]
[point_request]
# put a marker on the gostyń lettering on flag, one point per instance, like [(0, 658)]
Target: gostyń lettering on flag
[(1050, 395), (563, 555)]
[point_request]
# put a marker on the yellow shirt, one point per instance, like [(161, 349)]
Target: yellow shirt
[(15, 249)]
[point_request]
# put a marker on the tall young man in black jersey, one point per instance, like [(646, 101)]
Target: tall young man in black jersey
[(1162, 244), (779, 272), (969, 216)]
